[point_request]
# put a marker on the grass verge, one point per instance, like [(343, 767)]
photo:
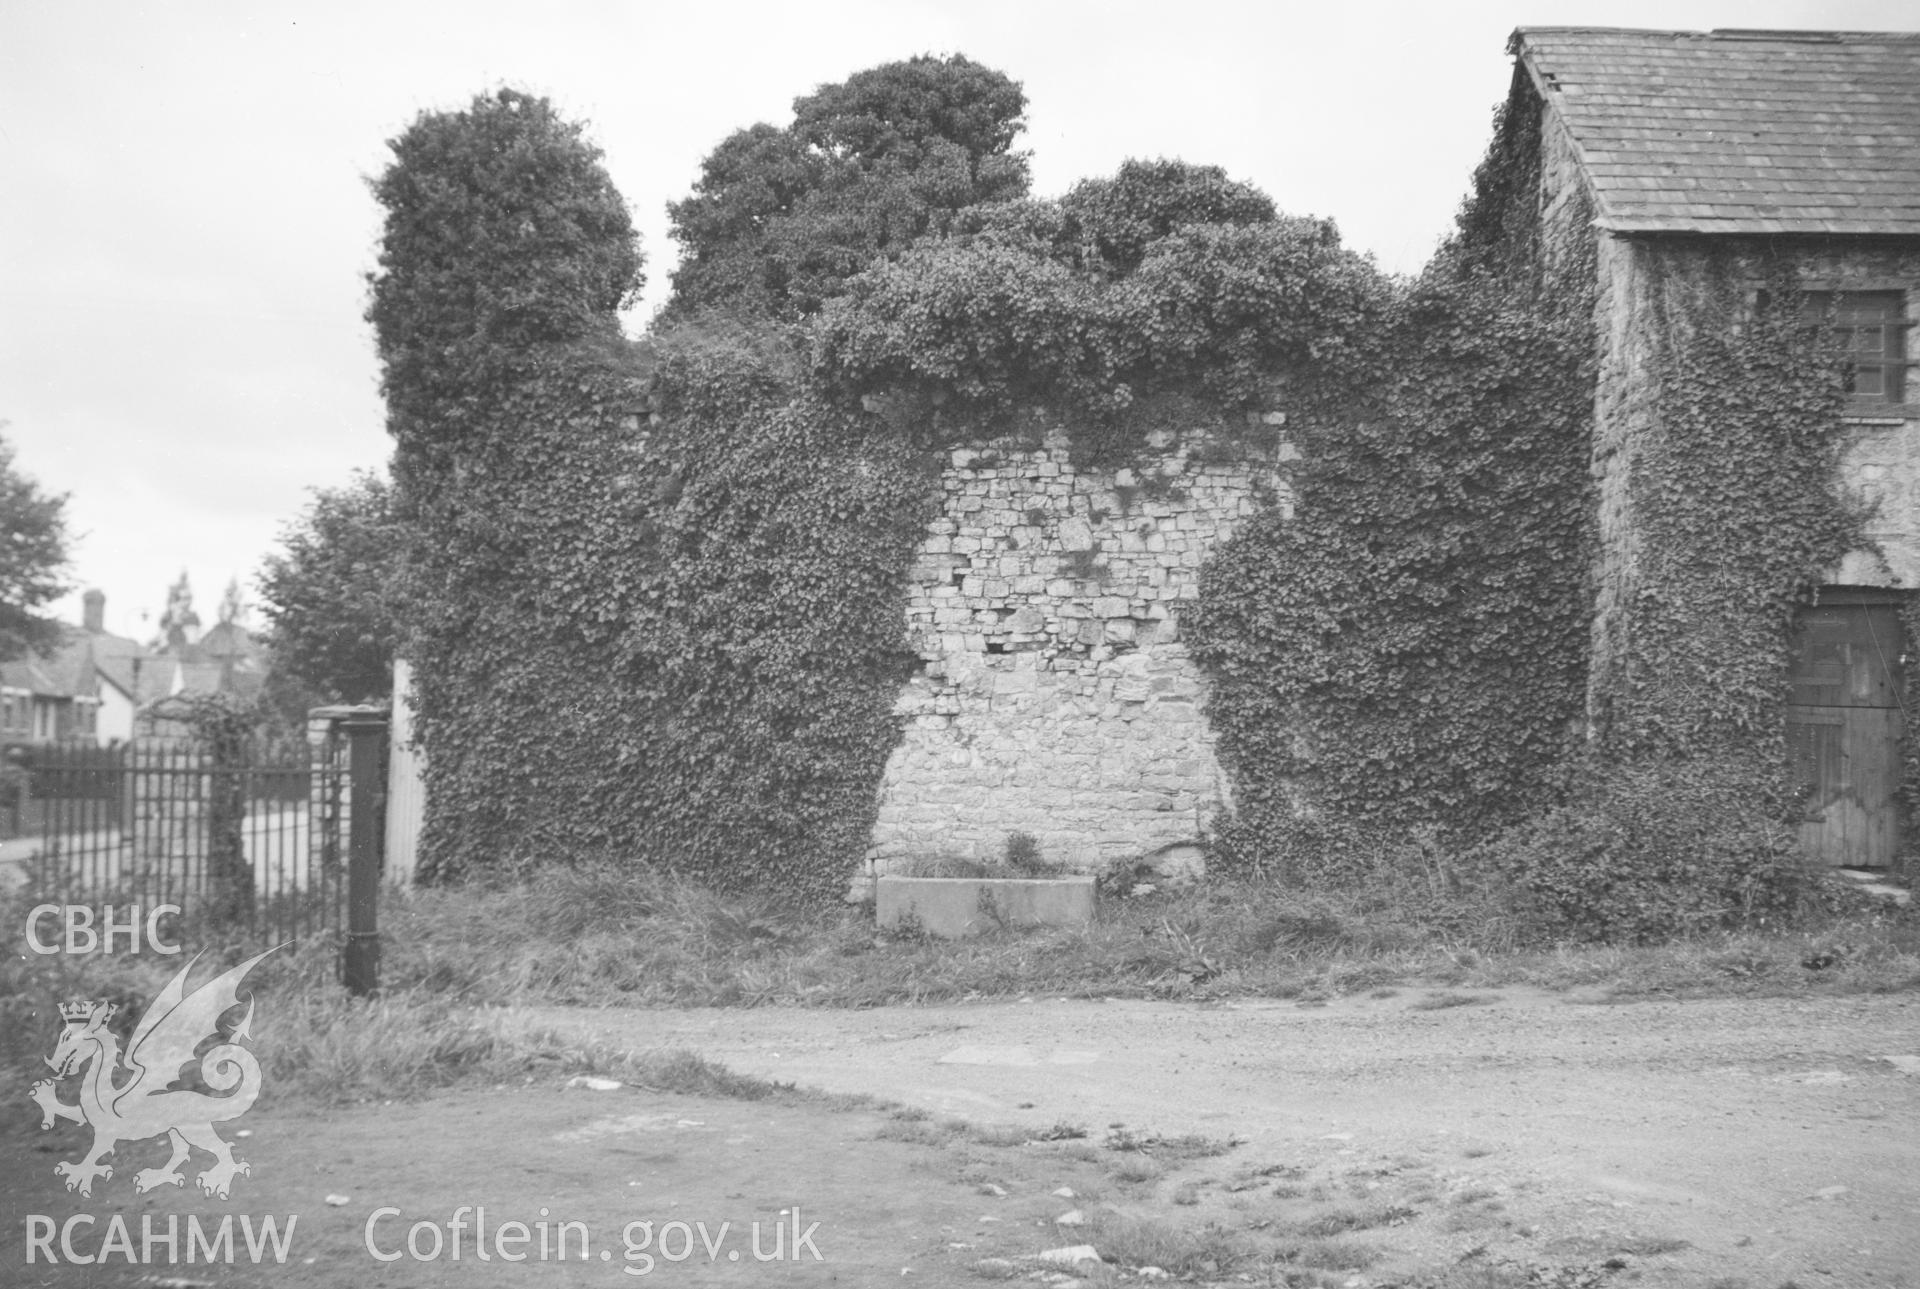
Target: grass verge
[(600, 937), (318, 1043), (454, 958)]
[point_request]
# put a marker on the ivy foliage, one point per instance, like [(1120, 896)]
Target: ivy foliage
[(1682, 817), (681, 639), (1406, 647), (1498, 231), (502, 232), (656, 607), (1404, 660), (781, 218), (688, 655), (658, 604), (1733, 507), (1400, 651), (1642, 850), (221, 728), (1167, 278)]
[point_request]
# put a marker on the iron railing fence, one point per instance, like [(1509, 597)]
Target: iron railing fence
[(249, 844)]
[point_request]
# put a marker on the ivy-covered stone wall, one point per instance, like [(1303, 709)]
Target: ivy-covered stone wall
[(1682, 355), (1056, 695)]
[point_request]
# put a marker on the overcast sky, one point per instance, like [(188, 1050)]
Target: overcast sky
[(185, 224)]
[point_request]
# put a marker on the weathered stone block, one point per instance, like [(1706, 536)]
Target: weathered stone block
[(1028, 618), (1076, 534)]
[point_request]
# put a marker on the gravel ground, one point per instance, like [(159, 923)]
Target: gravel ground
[(1759, 1141)]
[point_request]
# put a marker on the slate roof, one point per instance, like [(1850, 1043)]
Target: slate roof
[(1783, 132)]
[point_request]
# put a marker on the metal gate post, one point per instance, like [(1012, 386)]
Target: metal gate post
[(367, 781)]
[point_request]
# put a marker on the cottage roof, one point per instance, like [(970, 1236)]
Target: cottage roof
[(117, 660), (1795, 132), (67, 672), (34, 675), (231, 662)]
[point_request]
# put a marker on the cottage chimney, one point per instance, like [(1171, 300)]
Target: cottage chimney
[(94, 612)]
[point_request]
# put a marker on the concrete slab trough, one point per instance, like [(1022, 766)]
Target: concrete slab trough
[(952, 907)]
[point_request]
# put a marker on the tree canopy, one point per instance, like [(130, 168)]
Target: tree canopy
[(328, 594), (780, 219), (180, 621), (1167, 277), (33, 559)]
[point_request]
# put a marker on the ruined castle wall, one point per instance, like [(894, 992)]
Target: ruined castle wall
[(1057, 697)]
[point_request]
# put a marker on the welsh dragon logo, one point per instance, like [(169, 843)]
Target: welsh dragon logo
[(146, 1104)]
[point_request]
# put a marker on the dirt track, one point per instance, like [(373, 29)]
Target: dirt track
[(1750, 1143), (1779, 1139)]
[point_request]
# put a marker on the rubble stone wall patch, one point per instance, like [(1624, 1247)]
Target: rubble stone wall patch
[(1056, 696)]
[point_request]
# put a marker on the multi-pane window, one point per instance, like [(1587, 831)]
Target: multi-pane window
[(1869, 328)]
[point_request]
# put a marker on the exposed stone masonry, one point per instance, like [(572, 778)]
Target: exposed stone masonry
[(1057, 697)]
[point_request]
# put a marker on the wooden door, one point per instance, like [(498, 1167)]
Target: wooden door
[(1844, 725)]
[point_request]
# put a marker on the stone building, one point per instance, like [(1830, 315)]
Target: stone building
[(1660, 154)]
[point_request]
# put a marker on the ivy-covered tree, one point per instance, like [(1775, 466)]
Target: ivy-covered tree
[(33, 557), (503, 231), (781, 218), (329, 595), (506, 256)]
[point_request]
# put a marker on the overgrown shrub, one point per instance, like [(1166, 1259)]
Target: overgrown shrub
[(970, 329), (1645, 850), (1023, 854)]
